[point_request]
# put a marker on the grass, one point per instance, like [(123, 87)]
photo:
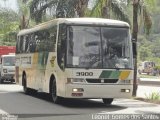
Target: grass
[(153, 97)]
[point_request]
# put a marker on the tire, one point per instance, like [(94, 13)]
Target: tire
[(25, 88), (12, 81), (1, 81), (107, 101), (53, 92)]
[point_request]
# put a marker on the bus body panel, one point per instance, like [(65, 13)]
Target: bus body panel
[(105, 82), (100, 91)]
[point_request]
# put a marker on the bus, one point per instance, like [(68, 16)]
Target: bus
[(7, 69), (88, 58)]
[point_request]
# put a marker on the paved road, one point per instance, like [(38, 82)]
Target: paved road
[(39, 106), (149, 81)]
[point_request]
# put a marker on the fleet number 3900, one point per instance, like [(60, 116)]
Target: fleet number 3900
[(84, 73)]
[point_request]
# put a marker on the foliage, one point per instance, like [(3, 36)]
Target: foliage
[(8, 26), (144, 48), (108, 9), (153, 96), (39, 9), (24, 13)]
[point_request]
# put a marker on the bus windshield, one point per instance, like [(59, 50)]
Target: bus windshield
[(9, 61), (99, 47)]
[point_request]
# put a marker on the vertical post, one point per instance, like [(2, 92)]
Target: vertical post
[(134, 36)]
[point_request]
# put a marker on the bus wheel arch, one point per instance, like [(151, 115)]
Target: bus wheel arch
[(53, 90)]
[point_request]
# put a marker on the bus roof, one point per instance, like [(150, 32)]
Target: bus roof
[(75, 21)]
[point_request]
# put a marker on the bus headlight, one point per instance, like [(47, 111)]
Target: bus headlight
[(125, 90), (78, 90), (4, 70), (75, 80)]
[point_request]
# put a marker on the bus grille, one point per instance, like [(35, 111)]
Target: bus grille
[(102, 80)]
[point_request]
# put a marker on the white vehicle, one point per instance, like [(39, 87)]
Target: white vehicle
[(146, 67), (76, 58), (7, 68)]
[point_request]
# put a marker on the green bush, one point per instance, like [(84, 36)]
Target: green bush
[(153, 96), (157, 67)]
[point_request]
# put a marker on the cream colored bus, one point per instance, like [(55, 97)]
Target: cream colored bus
[(76, 58)]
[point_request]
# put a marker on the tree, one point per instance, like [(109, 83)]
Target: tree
[(109, 9), (57, 8), (139, 5), (24, 13), (8, 25), (103, 9)]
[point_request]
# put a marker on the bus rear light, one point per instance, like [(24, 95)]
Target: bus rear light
[(125, 90), (77, 94), (78, 90)]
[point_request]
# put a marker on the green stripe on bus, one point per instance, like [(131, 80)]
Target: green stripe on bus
[(110, 74), (115, 75), (105, 74)]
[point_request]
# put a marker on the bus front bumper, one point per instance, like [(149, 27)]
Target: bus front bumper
[(98, 91)]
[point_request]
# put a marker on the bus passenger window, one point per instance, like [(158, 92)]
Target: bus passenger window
[(21, 44), (52, 39), (61, 46), (32, 44), (18, 45)]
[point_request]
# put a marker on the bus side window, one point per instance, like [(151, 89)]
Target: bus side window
[(25, 44), (38, 41), (41, 39), (52, 39), (32, 45), (52, 43), (61, 46), (17, 45), (46, 40), (27, 47), (21, 44)]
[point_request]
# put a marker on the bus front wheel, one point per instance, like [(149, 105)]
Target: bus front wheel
[(1, 81), (53, 91), (107, 101)]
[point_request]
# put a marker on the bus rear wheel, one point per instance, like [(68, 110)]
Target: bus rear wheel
[(53, 91), (25, 88), (107, 101)]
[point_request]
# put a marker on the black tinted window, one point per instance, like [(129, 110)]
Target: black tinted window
[(39, 41)]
